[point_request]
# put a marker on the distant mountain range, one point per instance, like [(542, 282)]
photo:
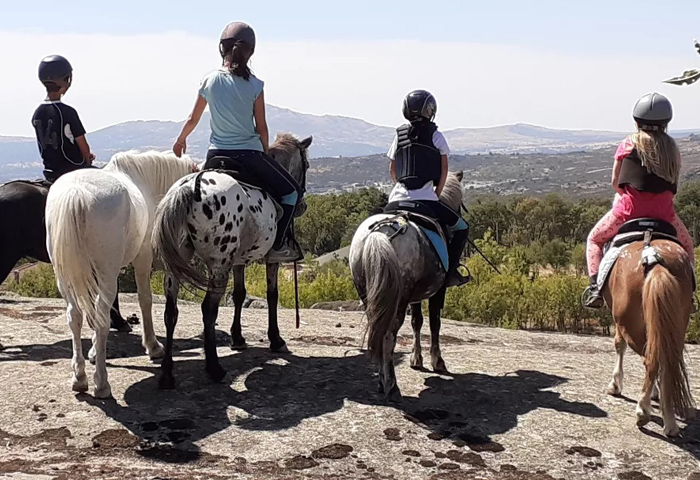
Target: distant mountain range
[(334, 136)]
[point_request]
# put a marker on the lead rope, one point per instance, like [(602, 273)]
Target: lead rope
[(296, 283)]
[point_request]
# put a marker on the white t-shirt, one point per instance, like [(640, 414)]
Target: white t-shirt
[(427, 191)]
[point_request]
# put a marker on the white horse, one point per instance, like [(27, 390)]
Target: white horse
[(227, 225), (98, 221)]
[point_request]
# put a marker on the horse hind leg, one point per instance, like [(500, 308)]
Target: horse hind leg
[(210, 311), (643, 409), (615, 387), (102, 387), (416, 324), (75, 322), (388, 374), (171, 287), (435, 307)]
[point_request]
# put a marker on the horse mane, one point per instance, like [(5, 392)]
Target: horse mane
[(158, 170), (287, 141), (452, 193)]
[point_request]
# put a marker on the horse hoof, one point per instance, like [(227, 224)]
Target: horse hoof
[(238, 347), (279, 348), (439, 367), (394, 395), (156, 352), (216, 373), (103, 392), (166, 382), (417, 363), (672, 432), (80, 386), (614, 390), (643, 419)]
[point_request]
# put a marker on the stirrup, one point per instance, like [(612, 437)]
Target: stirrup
[(456, 279)]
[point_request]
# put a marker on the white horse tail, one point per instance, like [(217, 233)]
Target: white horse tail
[(75, 269), (662, 298), (170, 235), (383, 287)]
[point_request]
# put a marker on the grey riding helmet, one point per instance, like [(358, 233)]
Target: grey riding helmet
[(55, 69), (419, 103), (236, 32), (652, 111)]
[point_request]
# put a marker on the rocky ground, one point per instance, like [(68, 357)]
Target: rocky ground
[(518, 405)]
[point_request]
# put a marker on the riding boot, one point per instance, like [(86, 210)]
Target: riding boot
[(454, 278), (594, 298), (285, 248)]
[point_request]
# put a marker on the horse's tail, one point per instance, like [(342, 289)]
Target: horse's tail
[(383, 287), (76, 271), (170, 235), (661, 297)]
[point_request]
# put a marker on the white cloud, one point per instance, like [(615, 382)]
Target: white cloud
[(120, 78)]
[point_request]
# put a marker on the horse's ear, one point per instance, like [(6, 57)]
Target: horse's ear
[(306, 142), (459, 175)]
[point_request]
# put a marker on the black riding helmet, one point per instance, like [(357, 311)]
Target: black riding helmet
[(55, 69), (652, 112), (236, 32), (419, 104)]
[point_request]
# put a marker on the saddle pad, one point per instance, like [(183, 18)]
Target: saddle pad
[(608, 262), (439, 245)]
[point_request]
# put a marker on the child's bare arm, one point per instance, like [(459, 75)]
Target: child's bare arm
[(85, 149), (180, 146)]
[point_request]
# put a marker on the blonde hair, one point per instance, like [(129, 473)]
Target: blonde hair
[(658, 153)]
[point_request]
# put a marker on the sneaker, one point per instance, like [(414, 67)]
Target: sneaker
[(592, 298), (290, 251)]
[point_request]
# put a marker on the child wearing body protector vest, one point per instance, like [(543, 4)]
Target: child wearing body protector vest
[(419, 169)]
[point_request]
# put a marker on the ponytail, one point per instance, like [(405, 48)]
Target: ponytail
[(238, 59)]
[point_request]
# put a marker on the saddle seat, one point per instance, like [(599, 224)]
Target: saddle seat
[(421, 216), (634, 230)]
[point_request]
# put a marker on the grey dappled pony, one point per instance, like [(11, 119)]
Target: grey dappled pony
[(392, 273)]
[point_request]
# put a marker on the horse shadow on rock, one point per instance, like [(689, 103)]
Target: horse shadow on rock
[(280, 391), (119, 345)]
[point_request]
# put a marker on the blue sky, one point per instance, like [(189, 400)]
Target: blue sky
[(554, 63), (590, 26)]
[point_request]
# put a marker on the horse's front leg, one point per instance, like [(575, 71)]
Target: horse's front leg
[(239, 293), (172, 288), (434, 308), (417, 324), (615, 387), (210, 311), (273, 331), (142, 271)]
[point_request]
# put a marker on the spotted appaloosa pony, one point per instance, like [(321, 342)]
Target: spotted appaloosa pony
[(392, 273), (227, 225), (23, 233), (97, 222), (651, 312)]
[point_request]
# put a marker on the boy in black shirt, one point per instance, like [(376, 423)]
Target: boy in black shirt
[(59, 131)]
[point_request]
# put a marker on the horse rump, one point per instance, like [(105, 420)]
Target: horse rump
[(170, 236)]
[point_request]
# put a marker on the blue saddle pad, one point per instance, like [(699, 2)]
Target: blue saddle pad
[(438, 245)]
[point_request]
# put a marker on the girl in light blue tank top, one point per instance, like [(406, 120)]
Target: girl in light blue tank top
[(239, 130)]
